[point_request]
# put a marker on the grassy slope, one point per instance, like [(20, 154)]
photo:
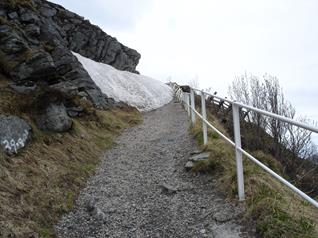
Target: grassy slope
[(277, 211), (41, 183)]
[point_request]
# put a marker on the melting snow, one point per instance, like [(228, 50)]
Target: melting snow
[(136, 90)]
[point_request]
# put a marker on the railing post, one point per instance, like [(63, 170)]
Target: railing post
[(188, 103), (174, 88), (204, 126), (184, 100), (192, 106), (178, 94), (238, 153)]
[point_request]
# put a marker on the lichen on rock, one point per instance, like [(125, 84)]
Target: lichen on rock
[(14, 134)]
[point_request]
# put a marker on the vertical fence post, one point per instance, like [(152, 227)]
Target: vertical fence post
[(178, 94), (185, 101), (204, 126), (188, 103), (238, 153), (192, 106)]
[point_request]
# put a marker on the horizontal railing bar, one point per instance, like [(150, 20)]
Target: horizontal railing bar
[(281, 118), (269, 114)]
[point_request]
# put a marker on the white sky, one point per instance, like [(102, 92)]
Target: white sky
[(216, 40)]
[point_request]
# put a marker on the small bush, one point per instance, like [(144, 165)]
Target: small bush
[(205, 166), (278, 223)]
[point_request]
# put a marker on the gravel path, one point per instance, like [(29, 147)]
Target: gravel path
[(142, 190)]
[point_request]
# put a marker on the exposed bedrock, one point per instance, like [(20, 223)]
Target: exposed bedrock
[(36, 43)]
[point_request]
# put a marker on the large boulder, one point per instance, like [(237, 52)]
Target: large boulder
[(54, 118), (14, 134)]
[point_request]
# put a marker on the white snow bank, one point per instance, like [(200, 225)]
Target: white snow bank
[(136, 90)]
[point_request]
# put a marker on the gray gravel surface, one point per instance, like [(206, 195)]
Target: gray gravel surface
[(142, 189)]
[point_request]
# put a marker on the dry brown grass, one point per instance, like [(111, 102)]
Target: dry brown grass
[(276, 210), (40, 183)]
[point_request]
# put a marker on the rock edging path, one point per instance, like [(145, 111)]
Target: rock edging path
[(142, 189)]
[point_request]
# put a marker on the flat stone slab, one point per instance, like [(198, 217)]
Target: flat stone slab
[(195, 152), (198, 157), (189, 165), (168, 189)]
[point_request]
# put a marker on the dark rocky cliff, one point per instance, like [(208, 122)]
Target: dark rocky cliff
[(37, 67), (36, 40)]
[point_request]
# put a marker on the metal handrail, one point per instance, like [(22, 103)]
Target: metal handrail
[(266, 113), (185, 98)]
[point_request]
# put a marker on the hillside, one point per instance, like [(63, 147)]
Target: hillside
[(42, 181), (274, 209), (55, 121)]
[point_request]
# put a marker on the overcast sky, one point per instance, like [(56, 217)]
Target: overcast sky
[(217, 40)]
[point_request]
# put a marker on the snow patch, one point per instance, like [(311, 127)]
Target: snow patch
[(136, 90)]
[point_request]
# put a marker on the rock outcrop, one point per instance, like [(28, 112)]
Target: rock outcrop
[(91, 42), (36, 43), (55, 118)]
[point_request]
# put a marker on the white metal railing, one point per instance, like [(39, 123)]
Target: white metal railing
[(189, 101)]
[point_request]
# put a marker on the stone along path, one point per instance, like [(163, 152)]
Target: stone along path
[(142, 189)]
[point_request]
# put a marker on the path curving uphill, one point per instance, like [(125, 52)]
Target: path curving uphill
[(142, 190)]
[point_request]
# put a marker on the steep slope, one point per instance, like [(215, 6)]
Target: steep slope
[(41, 182), (55, 121), (136, 90), (270, 205), (36, 39)]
